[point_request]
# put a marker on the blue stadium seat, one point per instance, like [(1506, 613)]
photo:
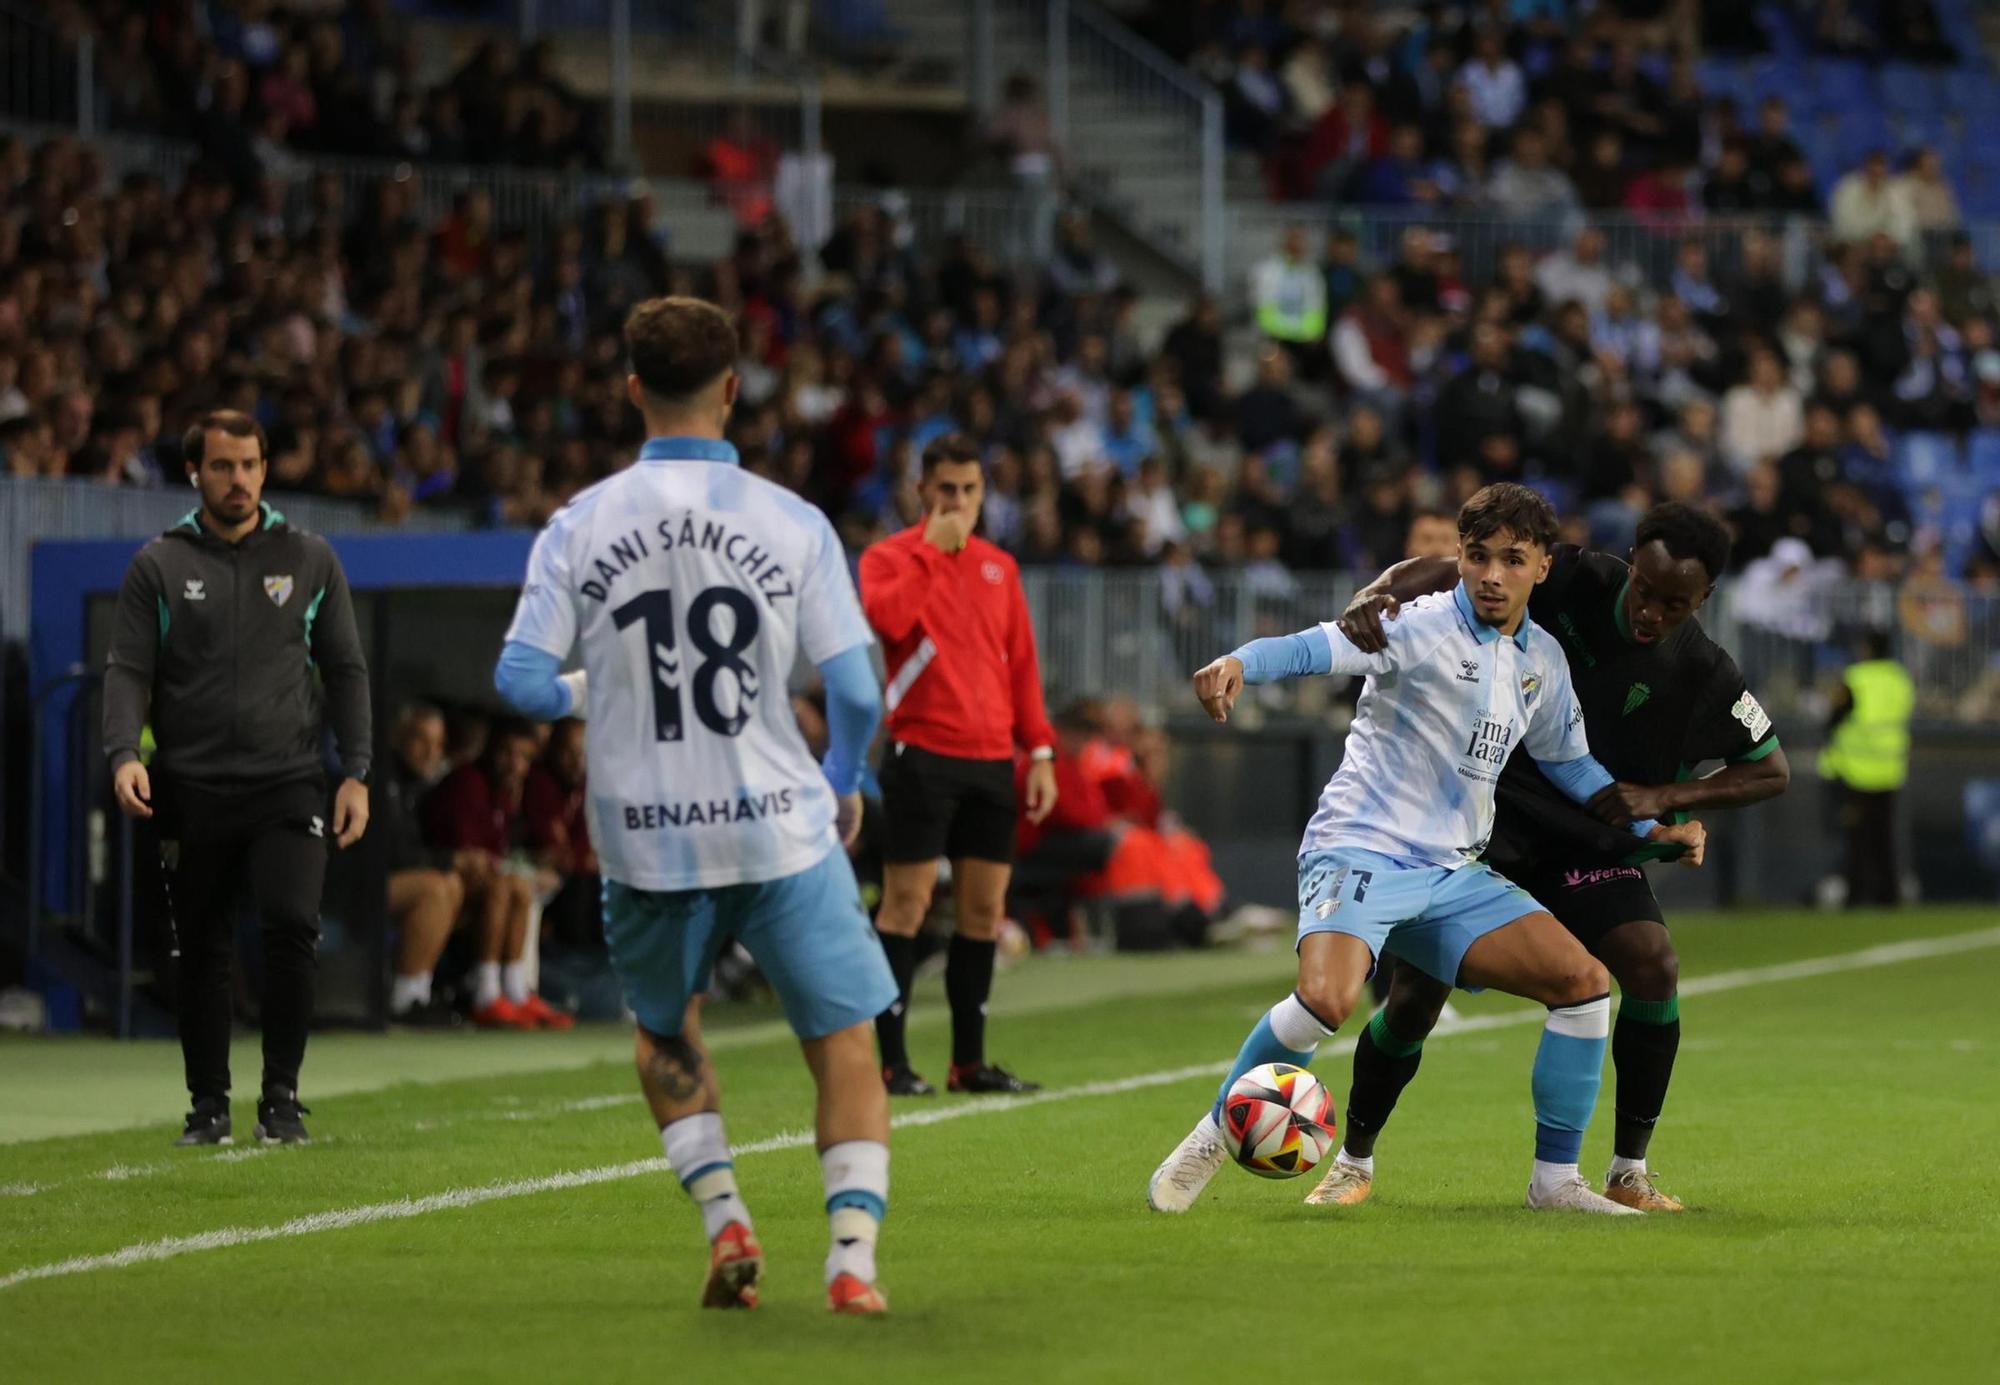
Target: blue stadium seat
[(1961, 31), (1984, 456), (858, 21), (1913, 130), (1558, 491), (1779, 27), (1912, 90), (1925, 459), (1951, 508), (1782, 77), (1722, 77), (1846, 85), (1971, 93), (1979, 183)]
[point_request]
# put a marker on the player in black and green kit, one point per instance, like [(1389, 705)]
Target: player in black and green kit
[(1659, 699)]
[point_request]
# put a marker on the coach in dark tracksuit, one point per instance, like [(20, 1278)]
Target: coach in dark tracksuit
[(223, 622)]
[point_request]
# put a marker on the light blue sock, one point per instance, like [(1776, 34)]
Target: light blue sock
[(1569, 1068), (1288, 1033)]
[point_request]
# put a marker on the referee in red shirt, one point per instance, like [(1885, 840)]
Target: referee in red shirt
[(964, 694)]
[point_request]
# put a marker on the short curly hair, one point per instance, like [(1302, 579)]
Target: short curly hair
[(1686, 531), (679, 346)]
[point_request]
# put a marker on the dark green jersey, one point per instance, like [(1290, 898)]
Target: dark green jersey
[(1652, 712)]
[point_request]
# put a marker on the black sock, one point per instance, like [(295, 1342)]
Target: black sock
[(1383, 1066), (889, 1024), (968, 981), (1643, 1044)]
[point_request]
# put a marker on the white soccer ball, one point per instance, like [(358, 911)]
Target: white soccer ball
[(1278, 1121)]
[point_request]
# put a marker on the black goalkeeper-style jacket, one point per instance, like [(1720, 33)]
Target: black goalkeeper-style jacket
[(219, 643)]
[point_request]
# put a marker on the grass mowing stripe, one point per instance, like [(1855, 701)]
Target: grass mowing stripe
[(403, 1208), (174, 1246)]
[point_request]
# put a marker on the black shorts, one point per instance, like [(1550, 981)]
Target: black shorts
[(940, 805), (1588, 897)]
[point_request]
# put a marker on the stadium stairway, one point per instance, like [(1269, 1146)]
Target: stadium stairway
[(1135, 130)]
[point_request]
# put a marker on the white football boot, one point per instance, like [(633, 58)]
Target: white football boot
[(1178, 1181), (1576, 1195)]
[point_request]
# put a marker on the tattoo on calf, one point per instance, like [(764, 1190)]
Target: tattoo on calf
[(676, 1067)]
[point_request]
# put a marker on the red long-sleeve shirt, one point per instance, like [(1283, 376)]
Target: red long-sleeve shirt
[(963, 677)]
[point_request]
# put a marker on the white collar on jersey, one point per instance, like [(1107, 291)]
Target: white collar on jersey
[(688, 450), (1481, 631)]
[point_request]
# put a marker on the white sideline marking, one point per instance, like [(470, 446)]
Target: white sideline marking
[(122, 1173), (172, 1247), (118, 1173)]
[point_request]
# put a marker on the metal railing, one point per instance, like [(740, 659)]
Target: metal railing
[(1142, 634), (986, 215), (1641, 247), (698, 215), (1154, 151), (46, 74)]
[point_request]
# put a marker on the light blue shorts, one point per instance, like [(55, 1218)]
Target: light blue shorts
[(808, 934), (1426, 915)]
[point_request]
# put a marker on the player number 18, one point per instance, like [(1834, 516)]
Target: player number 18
[(720, 654)]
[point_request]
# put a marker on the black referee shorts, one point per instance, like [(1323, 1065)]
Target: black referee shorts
[(940, 805), (1589, 897)]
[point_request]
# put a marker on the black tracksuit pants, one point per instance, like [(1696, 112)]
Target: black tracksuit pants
[(267, 846)]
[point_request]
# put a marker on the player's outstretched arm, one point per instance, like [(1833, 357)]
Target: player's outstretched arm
[(1218, 685), (1381, 599)]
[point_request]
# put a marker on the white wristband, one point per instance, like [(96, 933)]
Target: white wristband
[(576, 683), (1042, 753)]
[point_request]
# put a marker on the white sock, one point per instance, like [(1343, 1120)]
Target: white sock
[(514, 981), (1620, 1164), (485, 984), (1296, 1027), (406, 991), (1366, 1166), (699, 1152), (1548, 1177), (857, 1198)]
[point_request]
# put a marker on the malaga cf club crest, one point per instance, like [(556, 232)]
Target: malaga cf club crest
[(279, 589), (1531, 683)]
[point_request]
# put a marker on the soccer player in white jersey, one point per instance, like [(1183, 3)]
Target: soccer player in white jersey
[(690, 585), (1390, 860)]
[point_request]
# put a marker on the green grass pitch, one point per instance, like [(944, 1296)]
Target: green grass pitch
[(1833, 1126)]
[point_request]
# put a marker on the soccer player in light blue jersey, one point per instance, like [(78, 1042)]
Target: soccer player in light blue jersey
[(690, 586), (1390, 859)]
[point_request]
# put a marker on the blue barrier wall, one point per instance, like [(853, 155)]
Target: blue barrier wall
[(65, 575)]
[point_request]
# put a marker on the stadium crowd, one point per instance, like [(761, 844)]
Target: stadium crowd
[(1529, 109), (255, 84), (460, 365)]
